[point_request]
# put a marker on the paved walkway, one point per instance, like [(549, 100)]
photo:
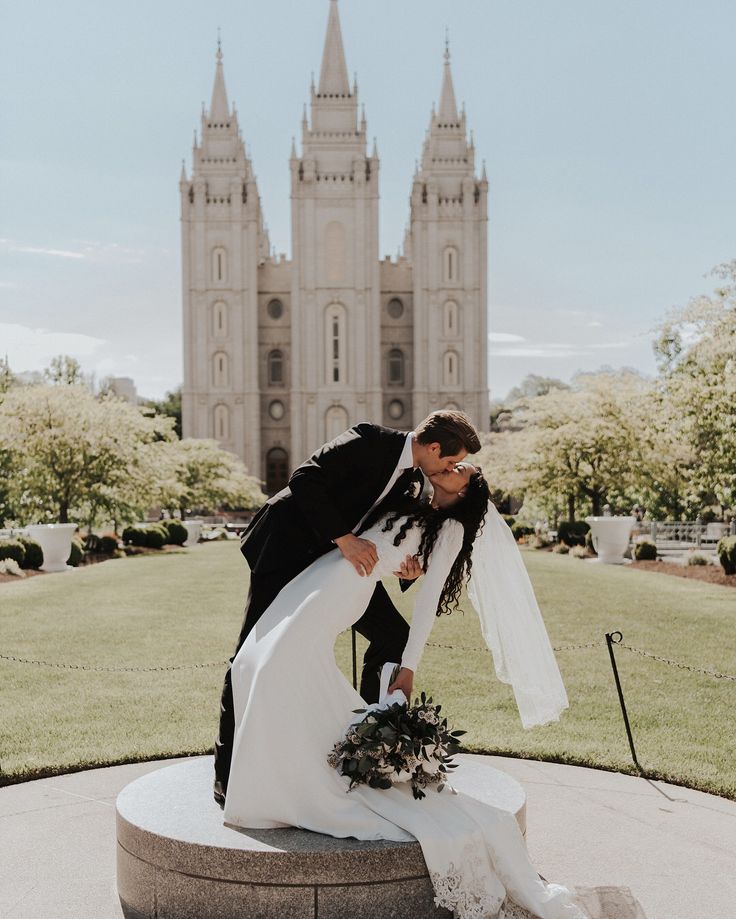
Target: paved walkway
[(672, 847)]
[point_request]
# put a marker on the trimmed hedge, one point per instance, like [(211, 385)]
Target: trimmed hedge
[(727, 553), (134, 536), (572, 534), (12, 548), (520, 529), (34, 552), (77, 553), (177, 532), (156, 537), (108, 544), (645, 551)]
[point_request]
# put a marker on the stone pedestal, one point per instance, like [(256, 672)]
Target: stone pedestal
[(177, 859)]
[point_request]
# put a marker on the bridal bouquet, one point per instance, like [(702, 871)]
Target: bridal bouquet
[(397, 743)]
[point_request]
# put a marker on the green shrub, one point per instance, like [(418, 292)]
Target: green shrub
[(34, 552), (509, 518), (134, 536), (108, 544), (76, 554), (589, 542), (520, 529), (155, 537), (697, 560), (92, 542), (10, 566), (561, 548), (727, 553), (177, 532), (12, 548), (645, 551), (572, 534)]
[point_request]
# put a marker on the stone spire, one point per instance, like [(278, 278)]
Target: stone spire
[(448, 106), (333, 78), (219, 110)]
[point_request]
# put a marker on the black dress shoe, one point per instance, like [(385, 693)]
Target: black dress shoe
[(219, 791)]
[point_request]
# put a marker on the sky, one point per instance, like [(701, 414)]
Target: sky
[(607, 130)]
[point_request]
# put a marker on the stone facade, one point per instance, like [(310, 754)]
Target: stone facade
[(281, 355)]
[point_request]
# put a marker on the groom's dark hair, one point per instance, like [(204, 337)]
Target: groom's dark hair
[(451, 429)]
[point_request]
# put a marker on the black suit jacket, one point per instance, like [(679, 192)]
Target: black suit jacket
[(325, 498)]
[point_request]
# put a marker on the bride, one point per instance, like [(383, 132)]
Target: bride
[(292, 703)]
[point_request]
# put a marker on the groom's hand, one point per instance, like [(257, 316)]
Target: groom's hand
[(410, 568), (361, 553), (404, 681)]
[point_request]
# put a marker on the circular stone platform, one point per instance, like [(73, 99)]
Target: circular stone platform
[(176, 859)]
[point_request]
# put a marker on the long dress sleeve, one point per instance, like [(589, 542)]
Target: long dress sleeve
[(449, 543)]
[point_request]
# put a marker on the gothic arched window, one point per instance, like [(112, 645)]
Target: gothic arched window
[(219, 320), (451, 368), (219, 265), (336, 421), (396, 367), (450, 323), (220, 369), (275, 368), (451, 264), (277, 470), (335, 344), (222, 422)]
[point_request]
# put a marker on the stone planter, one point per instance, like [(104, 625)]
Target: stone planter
[(56, 541), (610, 536), (194, 528)]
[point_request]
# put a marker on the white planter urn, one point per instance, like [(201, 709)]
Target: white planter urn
[(610, 536), (56, 541), (194, 528)]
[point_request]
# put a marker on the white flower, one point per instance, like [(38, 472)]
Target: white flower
[(432, 767)]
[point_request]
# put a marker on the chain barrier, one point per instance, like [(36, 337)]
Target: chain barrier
[(430, 644), (679, 664)]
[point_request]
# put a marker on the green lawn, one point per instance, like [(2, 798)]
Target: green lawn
[(186, 608)]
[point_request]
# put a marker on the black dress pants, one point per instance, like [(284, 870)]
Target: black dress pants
[(381, 624)]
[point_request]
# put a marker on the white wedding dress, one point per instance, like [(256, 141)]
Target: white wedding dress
[(292, 704)]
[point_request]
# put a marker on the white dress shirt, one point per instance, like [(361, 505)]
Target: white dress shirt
[(406, 461)]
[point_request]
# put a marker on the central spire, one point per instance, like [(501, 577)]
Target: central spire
[(219, 110), (333, 78), (448, 106)]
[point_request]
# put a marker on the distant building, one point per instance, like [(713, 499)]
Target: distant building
[(124, 388), (281, 355)]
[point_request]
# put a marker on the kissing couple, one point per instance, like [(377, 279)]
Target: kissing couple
[(368, 506)]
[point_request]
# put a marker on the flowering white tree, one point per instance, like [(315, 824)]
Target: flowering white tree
[(73, 455), (209, 477)]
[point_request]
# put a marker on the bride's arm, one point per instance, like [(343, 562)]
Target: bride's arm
[(449, 543)]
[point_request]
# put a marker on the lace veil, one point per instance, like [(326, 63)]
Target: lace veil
[(512, 625)]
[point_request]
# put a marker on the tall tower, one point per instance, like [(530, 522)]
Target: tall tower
[(223, 241), (336, 371), (447, 242)]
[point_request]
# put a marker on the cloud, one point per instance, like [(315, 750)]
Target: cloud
[(32, 349), (542, 349), (38, 250), (505, 336)]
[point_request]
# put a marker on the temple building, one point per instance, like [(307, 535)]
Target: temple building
[(281, 355)]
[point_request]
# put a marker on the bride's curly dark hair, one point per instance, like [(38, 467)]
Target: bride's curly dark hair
[(470, 511)]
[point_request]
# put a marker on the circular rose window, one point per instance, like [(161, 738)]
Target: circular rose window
[(276, 410), (396, 409)]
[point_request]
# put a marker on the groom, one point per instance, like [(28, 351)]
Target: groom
[(327, 500)]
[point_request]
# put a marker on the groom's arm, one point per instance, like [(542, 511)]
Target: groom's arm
[(338, 464)]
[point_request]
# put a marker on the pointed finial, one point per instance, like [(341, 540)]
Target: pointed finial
[(219, 45), (447, 45)]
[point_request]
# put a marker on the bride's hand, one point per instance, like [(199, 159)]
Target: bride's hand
[(361, 553), (404, 681), (410, 568)]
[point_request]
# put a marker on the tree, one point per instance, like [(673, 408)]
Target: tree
[(64, 370), (696, 349), (169, 406), (210, 477), (75, 456), (581, 444)]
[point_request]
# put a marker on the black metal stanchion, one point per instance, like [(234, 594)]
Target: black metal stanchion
[(355, 660), (610, 641)]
